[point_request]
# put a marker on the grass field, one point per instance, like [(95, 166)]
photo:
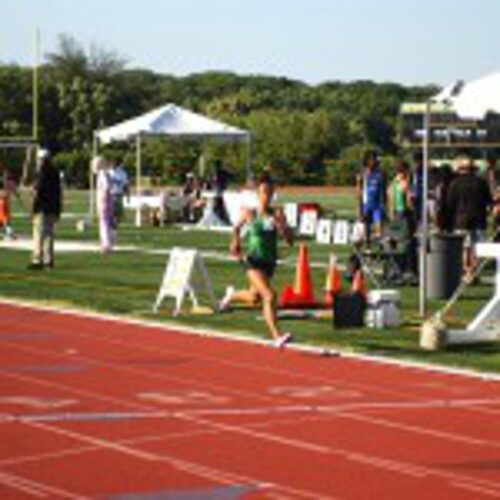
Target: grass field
[(126, 283)]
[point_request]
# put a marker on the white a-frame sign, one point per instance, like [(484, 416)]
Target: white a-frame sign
[(185, 273)]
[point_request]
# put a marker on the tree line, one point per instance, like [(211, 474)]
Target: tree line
[(307, 134)]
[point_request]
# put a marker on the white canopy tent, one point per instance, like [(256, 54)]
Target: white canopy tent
[(474, 100), (168, 121), (469, 100)]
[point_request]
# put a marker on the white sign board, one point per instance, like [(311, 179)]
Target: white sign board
[(292, 215), (324, 231), (185, 273), (341, 232), (308, 223), (357, 232)]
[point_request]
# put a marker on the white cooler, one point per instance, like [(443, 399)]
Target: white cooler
[(383, 309)]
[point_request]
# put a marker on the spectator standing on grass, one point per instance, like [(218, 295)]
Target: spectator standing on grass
[(400, 211), (191, 190), (417, 187), (119, 188), (104, 203), (443, 213), (371, 194), (219, 184), (398, 194), (469, 199), (47, 202)]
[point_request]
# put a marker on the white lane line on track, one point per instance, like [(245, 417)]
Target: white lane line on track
[(14, 483), (36, 488), (222, 477), (414, 471), (443, 435), (141, 371), (476, 488), (341, 407)]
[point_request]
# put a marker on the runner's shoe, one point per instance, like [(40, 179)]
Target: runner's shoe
[(226, 300), (282, 340)]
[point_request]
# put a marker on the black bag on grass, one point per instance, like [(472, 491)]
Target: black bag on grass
[(349, 310)]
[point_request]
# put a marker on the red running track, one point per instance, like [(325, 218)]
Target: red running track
[(98, 408)]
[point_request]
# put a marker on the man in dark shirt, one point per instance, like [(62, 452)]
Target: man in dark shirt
[(469, 200), (46, 211)]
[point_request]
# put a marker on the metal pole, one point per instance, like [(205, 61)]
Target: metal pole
[(35, 86), (249, 156), (424, 229), (138, 173)]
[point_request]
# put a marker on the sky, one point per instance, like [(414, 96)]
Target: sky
[(404, 41)]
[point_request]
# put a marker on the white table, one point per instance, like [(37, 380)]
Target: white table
[(235, 201), (486, 325), (143, 200)]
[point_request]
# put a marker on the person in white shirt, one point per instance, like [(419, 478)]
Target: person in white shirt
[(104, 202)]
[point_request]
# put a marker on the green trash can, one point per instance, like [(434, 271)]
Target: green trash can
[(444, 265)]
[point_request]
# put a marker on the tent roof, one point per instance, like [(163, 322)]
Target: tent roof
[(171, 120), (473, 99)]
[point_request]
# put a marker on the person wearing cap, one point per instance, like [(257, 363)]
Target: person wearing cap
[(469, 200), (47, 201)]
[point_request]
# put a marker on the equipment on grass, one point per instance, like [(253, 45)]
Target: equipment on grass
[(360, 263), (486, 325), (302, 294), (349, 310), (433, 335), (398, 253), (383, 309), (185, 273)]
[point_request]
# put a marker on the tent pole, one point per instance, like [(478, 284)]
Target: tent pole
[(138, 174), (95, 150), (425, 219), (249, 157)]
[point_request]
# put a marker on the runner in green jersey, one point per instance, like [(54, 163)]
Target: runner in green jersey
[(263, 227)]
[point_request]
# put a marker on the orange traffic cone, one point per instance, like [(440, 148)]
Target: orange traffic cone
[(301, 295), (333, 283), (358, 283), (303, 284), (287, 297)]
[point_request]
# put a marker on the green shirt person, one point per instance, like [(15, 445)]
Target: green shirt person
[(399, 192), (257, 250)]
